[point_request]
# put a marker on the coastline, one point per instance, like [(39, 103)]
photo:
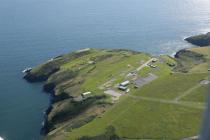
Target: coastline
[(49, 87)]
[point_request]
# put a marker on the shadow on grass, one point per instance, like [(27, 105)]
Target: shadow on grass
[(108, 135)]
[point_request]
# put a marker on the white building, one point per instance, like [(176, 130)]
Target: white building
[(86, 94), (122, 88), (125, 83)]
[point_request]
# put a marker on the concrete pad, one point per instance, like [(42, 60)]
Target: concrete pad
[(142, 81)]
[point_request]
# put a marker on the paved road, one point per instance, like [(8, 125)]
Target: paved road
[(145, 64)]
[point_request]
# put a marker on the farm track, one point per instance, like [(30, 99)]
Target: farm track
[(185, 104), (187, 92), (145, 64)]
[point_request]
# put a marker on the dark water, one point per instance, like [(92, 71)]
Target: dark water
[(32, 31)]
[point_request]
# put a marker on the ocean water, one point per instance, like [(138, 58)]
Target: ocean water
[(33, 31)]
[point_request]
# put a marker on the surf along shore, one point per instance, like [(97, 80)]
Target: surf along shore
[(85, 92)]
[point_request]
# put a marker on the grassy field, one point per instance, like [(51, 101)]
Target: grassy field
[(137, 118), (198, 95), (171, 86), (203, 66), (168, 108), (115, 68), (204, 50), (145, 120)]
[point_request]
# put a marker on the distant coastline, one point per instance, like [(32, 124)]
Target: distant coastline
[(199, 40)]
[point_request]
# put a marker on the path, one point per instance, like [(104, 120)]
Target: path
[(145, 64), (165, 101), (113, 93), (185, 104), (187, 92)]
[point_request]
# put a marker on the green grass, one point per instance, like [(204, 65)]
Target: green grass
[(198, 95), (167, 59), (83, 60), (203, 67), (144, 72), (161, 121), (171, 86), (132, 116), (99, 73), (204, 50), (117, 69), (136, 118), (144, 120), (162, 70)]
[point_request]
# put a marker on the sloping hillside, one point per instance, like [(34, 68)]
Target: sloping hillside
[(200, 40), (164, 97)]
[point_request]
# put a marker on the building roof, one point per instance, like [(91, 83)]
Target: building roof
[(122, 87), (86, 93), (125, 83)]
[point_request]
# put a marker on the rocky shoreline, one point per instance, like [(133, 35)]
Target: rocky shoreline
[(51, 68), (199, 40), (48, 89), (50, 74)]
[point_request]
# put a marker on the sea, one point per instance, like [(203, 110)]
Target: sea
[(33, 31)]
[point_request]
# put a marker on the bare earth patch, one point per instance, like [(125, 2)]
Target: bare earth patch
[(115, 95)]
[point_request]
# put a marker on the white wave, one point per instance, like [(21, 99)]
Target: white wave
[(171, 47), (1, 138), (204, 31)]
